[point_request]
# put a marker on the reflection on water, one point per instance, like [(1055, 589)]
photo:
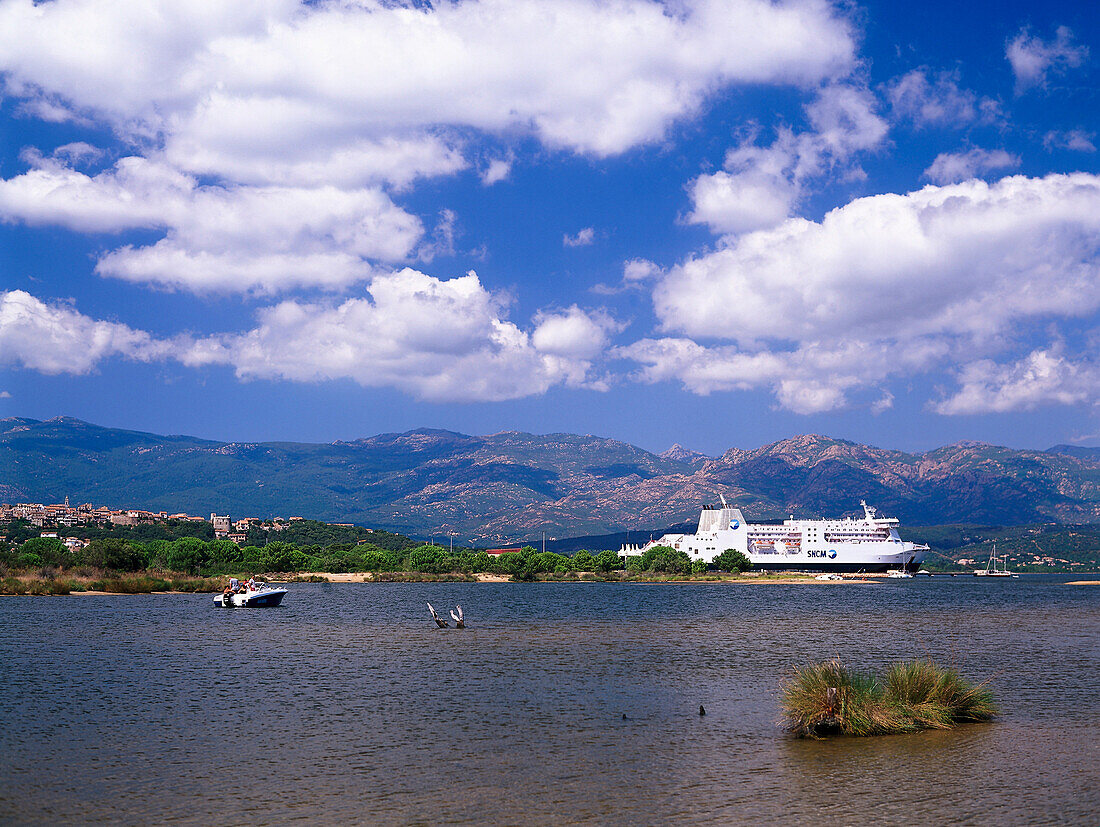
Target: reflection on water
[(561, 703)]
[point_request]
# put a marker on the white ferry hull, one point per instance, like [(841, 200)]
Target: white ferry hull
[(864, 567)]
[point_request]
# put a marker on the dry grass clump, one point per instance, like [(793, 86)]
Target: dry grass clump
[(16, 585), (829, 699), (47, 581)]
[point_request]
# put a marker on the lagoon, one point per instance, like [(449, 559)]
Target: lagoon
[(562, 703)]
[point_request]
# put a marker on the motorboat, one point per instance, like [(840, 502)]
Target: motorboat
[(899, 574), (829, 576), (248, 595)]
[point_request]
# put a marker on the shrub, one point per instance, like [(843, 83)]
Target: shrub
[(732, 560)]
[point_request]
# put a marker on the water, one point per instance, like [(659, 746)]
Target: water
[(561, 704)]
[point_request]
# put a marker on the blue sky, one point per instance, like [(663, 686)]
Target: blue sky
[(718, 223)]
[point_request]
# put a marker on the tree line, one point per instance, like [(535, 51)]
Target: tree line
[(193, 555)]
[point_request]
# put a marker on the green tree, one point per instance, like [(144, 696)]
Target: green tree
[(222, 555), (25, 560), (156, 554), (510, 563), (480, 561), (429, 559), (189, 554), (666, 559), (376, 559), (608, 561), (284, 557), (584, 561), (732, 560), (549, 561), (49, 550), (698, 567), (113, 553), (339, 560), (253, 558), (19, 531)]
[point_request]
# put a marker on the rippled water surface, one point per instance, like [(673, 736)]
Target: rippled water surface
[(562, 703)]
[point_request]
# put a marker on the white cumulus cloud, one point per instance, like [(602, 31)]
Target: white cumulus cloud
[(497, 170), (936, 99), (440, 340), (951, 167), (761, 186), (54, 338), (1043, 377), (252, 80), (582, 238), (811, 378), (273, 133), (1032, 58), (884, 286), (1077, 140), (244, 238)]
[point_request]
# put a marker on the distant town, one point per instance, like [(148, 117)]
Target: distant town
[(1028, 548), (64, 515)]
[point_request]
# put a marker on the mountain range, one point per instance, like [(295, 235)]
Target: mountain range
[(515, 486)]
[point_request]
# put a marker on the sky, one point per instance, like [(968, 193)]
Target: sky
[(718, 223)]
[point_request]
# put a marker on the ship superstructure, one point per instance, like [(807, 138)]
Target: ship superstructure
[(852, 544)]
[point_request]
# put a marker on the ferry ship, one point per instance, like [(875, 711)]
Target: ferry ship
[(867, 544)]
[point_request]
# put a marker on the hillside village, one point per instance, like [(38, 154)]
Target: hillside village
[(64, 515)]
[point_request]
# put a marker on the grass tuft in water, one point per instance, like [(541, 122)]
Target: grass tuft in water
[(829, 699)]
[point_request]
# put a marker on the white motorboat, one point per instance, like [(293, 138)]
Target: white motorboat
[(829, 576), (899, 574), (248, 595)]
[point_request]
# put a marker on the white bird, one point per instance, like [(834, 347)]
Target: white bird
[(459, 622), (439, 621)]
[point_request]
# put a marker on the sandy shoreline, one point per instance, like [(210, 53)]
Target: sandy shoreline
[(484, 577), (368, 577)]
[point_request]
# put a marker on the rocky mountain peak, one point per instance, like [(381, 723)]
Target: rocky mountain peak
[(678, 453)]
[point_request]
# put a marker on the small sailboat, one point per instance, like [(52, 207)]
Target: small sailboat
[(991, 569), (899, 574)]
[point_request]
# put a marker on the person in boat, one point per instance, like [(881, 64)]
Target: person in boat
[(251, 585), (234, 585)]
